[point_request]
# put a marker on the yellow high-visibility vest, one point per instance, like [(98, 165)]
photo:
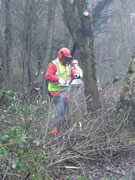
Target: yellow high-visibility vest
[(62, 72)]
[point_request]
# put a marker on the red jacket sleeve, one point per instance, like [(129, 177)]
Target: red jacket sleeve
[(72, 71), (51, 73)]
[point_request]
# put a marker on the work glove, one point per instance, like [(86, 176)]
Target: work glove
[(62, 82)]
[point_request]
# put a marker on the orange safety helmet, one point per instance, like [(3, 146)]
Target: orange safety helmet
[(64, 52)]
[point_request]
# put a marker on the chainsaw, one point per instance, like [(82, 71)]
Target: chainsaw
[(75, 81)]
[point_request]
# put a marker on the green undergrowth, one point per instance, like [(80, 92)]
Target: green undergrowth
[(26, 149), (22, 138), (20, 153)]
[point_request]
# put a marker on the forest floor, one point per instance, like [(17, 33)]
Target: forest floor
[(95, 147), (121, 169)]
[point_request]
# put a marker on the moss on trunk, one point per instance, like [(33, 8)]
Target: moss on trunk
[(126, 105)]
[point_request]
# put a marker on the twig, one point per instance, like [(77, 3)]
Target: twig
[(47, 124)]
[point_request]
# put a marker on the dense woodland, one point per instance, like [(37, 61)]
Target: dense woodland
[(99, 143)]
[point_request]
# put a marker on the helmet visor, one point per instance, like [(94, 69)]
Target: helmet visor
[(66, 60)]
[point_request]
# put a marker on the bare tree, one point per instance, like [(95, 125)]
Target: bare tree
[(83, 37), (29, 15), (126, 105), (8, 43), (48, 41)]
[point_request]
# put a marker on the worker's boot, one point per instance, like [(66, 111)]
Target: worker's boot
[(57, 127), (54, 131)]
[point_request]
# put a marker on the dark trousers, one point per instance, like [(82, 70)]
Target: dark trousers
[(61, 105)]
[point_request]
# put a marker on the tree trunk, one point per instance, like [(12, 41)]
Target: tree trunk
[(27, 74), (48, 42), (83, 38), (126, 105), (3, 72), (8, 42)]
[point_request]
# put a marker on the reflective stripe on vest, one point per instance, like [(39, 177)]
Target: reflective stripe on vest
[(62, 73)]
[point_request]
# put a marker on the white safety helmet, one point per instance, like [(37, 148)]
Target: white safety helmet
[(74, 61)]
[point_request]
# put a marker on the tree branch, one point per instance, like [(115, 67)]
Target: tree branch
[(70, 17), (96, 14)]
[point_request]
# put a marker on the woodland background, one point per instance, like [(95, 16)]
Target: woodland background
[(31, 33)]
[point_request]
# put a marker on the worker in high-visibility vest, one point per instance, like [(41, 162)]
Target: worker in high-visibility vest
[(58, 72), (77, 68)]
